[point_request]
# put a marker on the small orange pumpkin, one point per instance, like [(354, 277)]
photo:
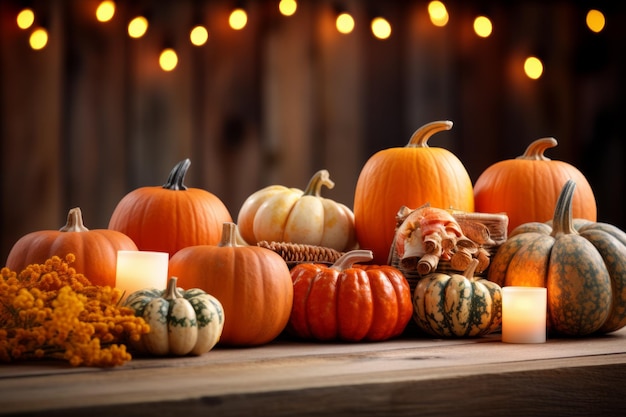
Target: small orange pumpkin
[(252, 283), (170, 217), (525, 188), (349, 302), (95, 250), (410, 176)]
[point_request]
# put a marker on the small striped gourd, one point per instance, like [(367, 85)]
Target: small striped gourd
[(457, 305), (181, 322), (581, 263)]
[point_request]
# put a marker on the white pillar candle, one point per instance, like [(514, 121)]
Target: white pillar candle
[(137, 270), (524, 314)]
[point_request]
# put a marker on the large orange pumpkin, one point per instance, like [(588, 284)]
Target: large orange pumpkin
[(95, 250), (253, 285), (526, 188), (170, 217), (410, 176), (349, 302)]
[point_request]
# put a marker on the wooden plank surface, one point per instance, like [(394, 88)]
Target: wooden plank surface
[(407, 376)]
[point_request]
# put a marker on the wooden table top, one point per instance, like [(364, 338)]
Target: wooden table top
[(406, 376)]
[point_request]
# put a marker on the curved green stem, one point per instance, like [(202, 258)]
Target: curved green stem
[(177, 176), (321, 178), (563, 221)]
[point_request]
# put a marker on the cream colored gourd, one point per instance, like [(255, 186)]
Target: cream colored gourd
[(280, 214), (181, 322)]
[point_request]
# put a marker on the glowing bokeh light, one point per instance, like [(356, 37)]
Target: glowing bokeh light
[(168, 59), (287, 7), (595, 20), (138, 27), (199, 35), (238, 19), (438, 13), (344, 23), (38, 39), (105, 11), (483, 26), (25, 18), (381, 28), (533, 67)]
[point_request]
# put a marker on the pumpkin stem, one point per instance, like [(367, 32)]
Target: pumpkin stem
[(177, 176), (469, 272), (321, 177), (229, 235), (346, 260), (171, 293), (563, 221), (421, 135), (534, 151), (74, 221)]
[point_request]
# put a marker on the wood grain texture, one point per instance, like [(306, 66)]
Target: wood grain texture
[(407, 376)]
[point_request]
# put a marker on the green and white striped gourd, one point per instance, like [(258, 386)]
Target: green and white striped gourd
[(457, 305), (181, 322)]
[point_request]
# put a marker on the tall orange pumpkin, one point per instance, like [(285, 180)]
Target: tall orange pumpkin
[(95, 250), (170, 217), (527, 187), (410, 176), (252, 283)]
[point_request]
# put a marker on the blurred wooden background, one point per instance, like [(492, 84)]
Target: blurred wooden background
[(92, 116)]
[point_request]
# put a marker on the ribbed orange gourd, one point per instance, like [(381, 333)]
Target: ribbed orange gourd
[(349, 302), (253, 285), (95, 250), (170, 217), (581, 263), (526, 188), (410, 176)]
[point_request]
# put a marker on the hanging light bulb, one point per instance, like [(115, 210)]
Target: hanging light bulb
[(381, 28), (238, 19), (105, 11), (344, 23), (438, 13), (138, 27), (168, 60), (533, 67), (199, 35), (287, 7), (595, 20), (25, 18), (38, 39), (483, 26)]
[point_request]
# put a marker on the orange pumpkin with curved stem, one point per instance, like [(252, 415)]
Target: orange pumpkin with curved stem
[(95, 250), (410, 176), (170, 217), (349, 302), (526, 188), (252, 284)]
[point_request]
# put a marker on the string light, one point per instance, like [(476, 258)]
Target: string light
[(38, 39), (438, 13), (483, 26), (238, 19), (595, 20), (381, 28), (138, 27), (287, 7), (105, 11), (199, 35), (168, 60), (344, 23), (25, 18), (533, 67)]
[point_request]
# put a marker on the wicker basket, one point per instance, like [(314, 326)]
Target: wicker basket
[(497, 225)]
